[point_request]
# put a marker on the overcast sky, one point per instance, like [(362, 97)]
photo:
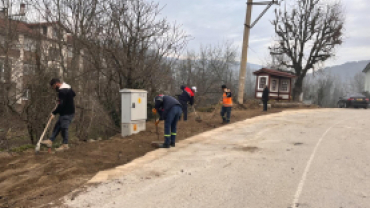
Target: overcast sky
[(215, 21)]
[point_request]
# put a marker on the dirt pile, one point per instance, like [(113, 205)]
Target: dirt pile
[(30, 180)]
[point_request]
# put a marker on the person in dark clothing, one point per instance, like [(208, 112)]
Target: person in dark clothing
[(227, 103), (187, 96), (265, 97), (66, 111), (169, 110)]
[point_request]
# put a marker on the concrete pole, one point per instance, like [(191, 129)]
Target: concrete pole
[(243, 63)]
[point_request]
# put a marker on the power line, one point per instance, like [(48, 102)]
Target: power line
[(255, 53), (247, 27)]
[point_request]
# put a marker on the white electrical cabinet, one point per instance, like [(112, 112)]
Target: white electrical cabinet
[(134, 111)]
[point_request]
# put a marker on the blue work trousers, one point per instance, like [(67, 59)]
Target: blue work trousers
[(170, 124)]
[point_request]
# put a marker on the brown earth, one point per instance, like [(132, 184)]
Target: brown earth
[(30, 180)]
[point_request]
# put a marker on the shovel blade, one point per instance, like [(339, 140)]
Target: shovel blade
[(37, 149), (156, 144)]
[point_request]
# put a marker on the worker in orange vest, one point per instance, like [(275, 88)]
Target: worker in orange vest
[(227, 103)]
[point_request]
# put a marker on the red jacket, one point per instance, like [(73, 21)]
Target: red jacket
[(186, 96)]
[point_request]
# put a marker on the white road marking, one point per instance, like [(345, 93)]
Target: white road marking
[(304, 176)]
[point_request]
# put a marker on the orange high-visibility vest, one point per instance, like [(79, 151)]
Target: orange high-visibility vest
[(227, 101)]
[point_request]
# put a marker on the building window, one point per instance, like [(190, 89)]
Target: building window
[(26, 94), (54, 54), (284, 86), (55, 32), (273, 85), (2, 71), (263, 81), (70, 52), (29, 45), (16, 45), (44, 30), (2, 41)]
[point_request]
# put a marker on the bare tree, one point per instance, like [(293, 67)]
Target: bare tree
[(122, 44), (208, 70), (324, 91), (357, 83), (307, 35)]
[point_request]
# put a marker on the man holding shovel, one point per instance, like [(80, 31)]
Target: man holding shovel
[(169, 110), (66, 111)]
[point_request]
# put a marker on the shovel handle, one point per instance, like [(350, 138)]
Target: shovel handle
[(195, 112), (46, 128), (156, 126)]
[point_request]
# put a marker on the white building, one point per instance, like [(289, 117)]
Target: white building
[(367, 78), (19, 41)]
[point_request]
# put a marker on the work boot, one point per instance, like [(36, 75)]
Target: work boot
[(62, 148), (163, 146), (224, 122), (47, 143), (172, 144)]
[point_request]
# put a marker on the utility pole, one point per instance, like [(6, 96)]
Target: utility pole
[(243, 63), (247, 27)]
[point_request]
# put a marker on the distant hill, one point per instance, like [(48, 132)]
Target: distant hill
[(344, 71), (347, 70), (253, 67)]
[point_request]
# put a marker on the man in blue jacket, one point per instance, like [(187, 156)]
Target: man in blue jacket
[(66, 111), (170, 111)]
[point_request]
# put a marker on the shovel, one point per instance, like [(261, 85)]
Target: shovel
[(37, 149), (156, 126), (156, 144), (212, 116), (197, 118)]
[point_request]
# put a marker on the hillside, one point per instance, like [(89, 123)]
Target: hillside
[(347, 70)]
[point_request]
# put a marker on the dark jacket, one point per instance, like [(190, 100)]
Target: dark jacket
[(66, 104), (187, 96), (163, 105), (265, 94)]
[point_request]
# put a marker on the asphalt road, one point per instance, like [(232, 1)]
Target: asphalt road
[(307, 159)]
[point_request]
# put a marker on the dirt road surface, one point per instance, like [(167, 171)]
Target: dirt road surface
[(308, 159)]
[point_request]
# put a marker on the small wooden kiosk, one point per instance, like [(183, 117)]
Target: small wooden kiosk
[(279, 83)]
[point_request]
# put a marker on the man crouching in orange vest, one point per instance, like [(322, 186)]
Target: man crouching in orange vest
[(227, 103)]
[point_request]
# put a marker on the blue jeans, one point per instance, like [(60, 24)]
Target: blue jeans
[(226, 110), (62, 126), (170, 124)]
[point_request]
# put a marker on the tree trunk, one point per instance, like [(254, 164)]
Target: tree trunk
[(297, 90), (30, 133)]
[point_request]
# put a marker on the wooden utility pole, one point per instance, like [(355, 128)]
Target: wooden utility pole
[(247, 27), (243, 63)]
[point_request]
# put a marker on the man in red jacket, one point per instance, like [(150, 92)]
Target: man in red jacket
[(187, 96)]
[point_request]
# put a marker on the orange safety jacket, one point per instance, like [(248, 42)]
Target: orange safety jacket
[(227, 99)]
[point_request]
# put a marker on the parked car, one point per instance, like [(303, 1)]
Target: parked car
[(353, 100)]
